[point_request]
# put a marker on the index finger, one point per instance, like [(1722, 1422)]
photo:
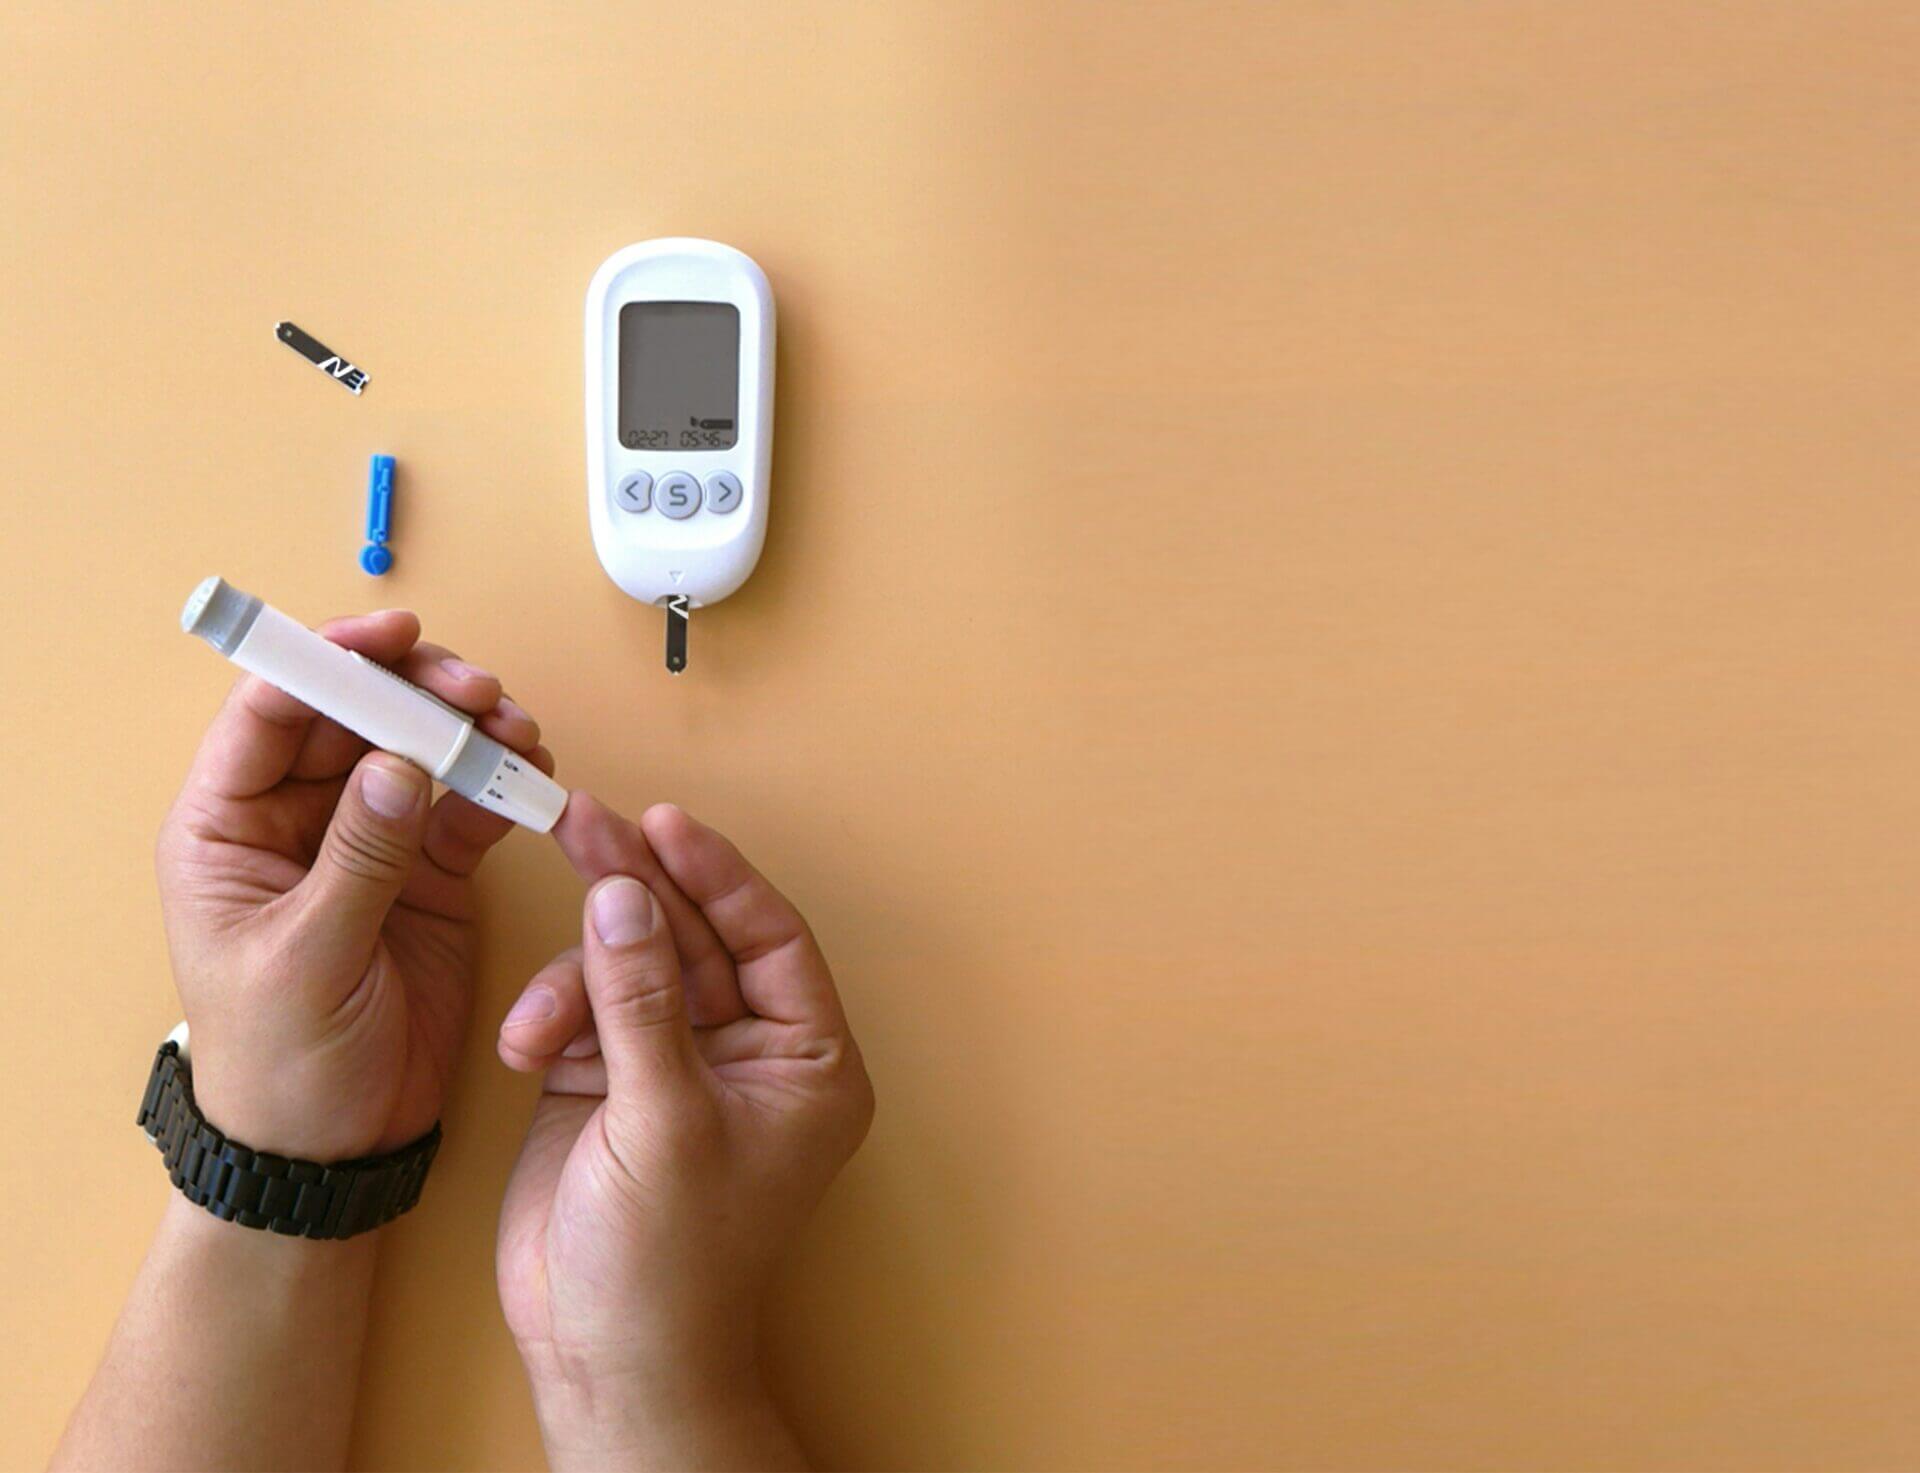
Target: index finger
[(783, 975), (598, 842), (252, 742)]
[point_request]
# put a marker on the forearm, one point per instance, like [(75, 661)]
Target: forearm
[(237, 1349), (631, 1422)]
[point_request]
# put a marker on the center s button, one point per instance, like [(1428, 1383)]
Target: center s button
[(677, 494)]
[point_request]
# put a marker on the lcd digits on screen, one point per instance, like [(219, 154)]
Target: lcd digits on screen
[(679, 375)]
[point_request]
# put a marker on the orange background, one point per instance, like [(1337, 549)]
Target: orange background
[(1335, 667)]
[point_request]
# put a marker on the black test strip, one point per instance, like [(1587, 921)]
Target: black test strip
[(677, 609), (321, 356)]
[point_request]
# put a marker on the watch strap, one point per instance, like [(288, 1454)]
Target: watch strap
[(258, 1189)]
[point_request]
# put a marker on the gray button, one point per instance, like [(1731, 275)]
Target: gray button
[(635, 491), (723, 491), (677, 495)]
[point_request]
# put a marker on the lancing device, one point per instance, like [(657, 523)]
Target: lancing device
[(371, 701)]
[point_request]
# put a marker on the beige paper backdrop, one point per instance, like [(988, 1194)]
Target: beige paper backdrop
[(1335, 666)]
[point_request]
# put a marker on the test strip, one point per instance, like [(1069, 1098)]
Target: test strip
[(321, 356), (678, 607)]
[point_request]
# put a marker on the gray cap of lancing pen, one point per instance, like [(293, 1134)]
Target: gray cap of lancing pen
[(220, 614), (373, 702)]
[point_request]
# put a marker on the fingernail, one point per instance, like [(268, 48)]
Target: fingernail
[(535, 1006), (388, 793), (510, 707), (461, 670), (622, 912), (585, 1046)]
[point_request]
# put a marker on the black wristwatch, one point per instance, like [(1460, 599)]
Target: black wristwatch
[(258, 1189)]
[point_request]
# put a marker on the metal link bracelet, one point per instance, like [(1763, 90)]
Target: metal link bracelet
[(258, 1189)]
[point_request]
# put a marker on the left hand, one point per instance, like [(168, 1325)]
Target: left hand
[(702, 1090), (319, 910)]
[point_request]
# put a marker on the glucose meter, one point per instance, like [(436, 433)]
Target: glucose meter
[(679, 423)]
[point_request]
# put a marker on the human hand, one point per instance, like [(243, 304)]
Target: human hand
[(320, 910), (702, 1090)]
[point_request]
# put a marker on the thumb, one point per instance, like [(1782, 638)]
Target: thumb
[(633, 984), (369, 849)]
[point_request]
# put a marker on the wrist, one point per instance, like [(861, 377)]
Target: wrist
[(618, 1411), (281, 1125), (289, 1103), (606, 1379), (273, 1266)]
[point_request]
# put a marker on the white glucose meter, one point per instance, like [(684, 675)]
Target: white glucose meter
[(679, 423)]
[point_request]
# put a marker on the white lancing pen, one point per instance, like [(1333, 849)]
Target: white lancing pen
[(371, 701)]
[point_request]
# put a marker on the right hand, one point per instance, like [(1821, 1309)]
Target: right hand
[(702, 1089)]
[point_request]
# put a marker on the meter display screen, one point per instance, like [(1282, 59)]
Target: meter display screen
[(679, 375)]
